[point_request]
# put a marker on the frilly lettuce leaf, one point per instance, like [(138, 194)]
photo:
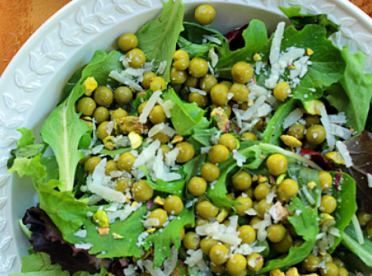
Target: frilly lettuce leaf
[(63, 129), (353, 93), (255, 37), (162, 241), (346, 204), (158, 38), (301, 20), (186, 117), (305, 224)]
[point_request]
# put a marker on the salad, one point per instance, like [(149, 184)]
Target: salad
[(190, 152)]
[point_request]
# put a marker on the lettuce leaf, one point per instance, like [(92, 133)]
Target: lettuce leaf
[(274, 129), (255, 37), (353, 93), (301, 20), (158, 38), (360, 149), (306, 225), (39, 264), (201, 138), (346, 204), (327, 67), (162, 241), (186, 117), (363, 251), (63, 129)]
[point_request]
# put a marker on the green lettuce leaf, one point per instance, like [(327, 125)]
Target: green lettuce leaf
[(274, 129), (158, 38), (63, 129), (255, 37), (306, 226), (353, 93), (301, 20), (201, 138), (186, 117), (174, 188), (70, 214), (363, 251), (327, 67), (193, 49), (346, 204), (162, 241), (304, 176)]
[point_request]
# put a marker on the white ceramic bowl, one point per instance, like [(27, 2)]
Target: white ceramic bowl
[(31, 85)]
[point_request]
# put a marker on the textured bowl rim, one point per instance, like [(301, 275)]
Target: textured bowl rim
[(356, 33)]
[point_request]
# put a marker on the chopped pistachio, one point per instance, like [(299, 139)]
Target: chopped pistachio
[(309, 52), (311, 185), (100, 219), (292, 272), (90, 84), (291, 141), (178, 138), (134, 204), (291, 67), (103, 231), (262, 179), (254, 178), (222, 215), (326, 219), (276, 272), (335, 157), (135, 140), (151, 230), (159, 201), (117, 236), (257, 57), (280, 178), (313, 107), (220, 117)]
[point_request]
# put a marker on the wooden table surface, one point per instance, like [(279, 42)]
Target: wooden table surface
[(19, 19)]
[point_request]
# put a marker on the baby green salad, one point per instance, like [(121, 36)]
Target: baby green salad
[(190, 152)]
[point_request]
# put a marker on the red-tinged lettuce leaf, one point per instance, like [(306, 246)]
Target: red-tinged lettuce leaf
[(63, 256), (317, 158), (48, 239), (360, 149), (236, 39)]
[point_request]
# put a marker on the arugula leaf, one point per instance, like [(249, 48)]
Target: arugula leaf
[(158, 38), (306, 226), (175, 187), (327, 66), (193, 49), (346, 204), (353, 93), (63, 129), (171, 234), (194, 33), (301, 20), (201, 138), (363, 251), (255, 37), (304, 176), (186, 117), (193, 167), (274, 129), (113, 153), (217, 192)]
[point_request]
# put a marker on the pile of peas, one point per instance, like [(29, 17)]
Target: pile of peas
[(331, 266)]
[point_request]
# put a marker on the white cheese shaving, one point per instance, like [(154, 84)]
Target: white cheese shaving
[(161, 171), (213, 56), (340, 131), (238, 116), (162, 67), (254, 108), (151, 222), (195, 90), (130, 270), (344, 152), (110, 127), (264, 110), (204, 150), (340, 118), (240, 158), (125, 80), (292, 118), (84, 246), (171, 157), (308, 196), (120, 141), (369, 178), (82, 233), (327, 126), (251, 212), (167, 106), (257, 90), (149, 106), (147, 154), (156, 129), (212, 39), (230, 96)]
